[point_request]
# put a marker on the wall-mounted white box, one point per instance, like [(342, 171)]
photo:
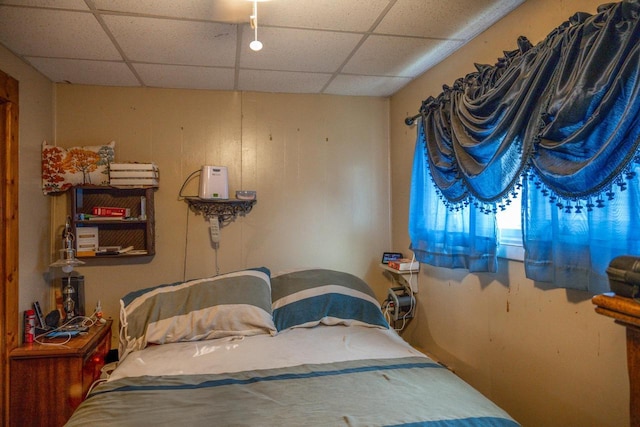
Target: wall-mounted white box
[(214, 182)]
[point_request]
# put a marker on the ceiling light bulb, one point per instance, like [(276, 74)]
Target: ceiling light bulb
[(255, 45)]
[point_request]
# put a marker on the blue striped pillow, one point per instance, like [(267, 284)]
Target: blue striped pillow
[(306, 298), (231, 304)]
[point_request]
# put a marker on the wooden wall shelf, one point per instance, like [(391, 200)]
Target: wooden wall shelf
[(137, 231)]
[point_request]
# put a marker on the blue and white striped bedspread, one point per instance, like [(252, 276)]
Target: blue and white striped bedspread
[(411, 391)]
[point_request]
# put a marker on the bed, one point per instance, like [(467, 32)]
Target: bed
[(309, 347)]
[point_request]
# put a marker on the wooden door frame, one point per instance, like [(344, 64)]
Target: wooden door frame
[(9, 324)]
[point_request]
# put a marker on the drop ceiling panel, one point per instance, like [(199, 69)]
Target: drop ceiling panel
[(396, 56), (436, 18), (54, 4), (297, 50), (174, 42), (350, 47), (229, 11), (54, 33), (281, 81), (352, 15), (186, 77), (77, 71), (345, 84)]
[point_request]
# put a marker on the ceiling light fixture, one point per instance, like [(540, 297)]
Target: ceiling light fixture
[(256, 44)]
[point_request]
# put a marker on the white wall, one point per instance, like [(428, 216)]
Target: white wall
[(36, 124), (319, 165), (542, 354)]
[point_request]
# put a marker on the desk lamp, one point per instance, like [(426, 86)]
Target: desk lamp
[(67, 262)]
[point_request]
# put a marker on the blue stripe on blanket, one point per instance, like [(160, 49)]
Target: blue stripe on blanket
[(280, 377), (463, 422)]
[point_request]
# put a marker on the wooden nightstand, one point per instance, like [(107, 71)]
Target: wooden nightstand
[(626, 312), (49, 382)]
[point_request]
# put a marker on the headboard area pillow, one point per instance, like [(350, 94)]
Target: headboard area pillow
[(231, 304), (306, 298), (65, 167)]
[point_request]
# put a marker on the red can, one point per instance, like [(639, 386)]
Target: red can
[(29, 326)]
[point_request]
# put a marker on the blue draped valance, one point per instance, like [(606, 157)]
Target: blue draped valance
[(557, 124), (564, 113)]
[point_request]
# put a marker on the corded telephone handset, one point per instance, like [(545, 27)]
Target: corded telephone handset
[(214, 230)]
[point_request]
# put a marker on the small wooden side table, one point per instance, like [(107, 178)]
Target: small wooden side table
[(48, 382), (626, 312)]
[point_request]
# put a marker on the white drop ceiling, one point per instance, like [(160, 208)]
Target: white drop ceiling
[(343, 47)]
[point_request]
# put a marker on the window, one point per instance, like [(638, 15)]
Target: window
[(509, 223)]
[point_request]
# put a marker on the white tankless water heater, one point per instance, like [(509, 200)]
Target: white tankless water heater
[(214, 182)]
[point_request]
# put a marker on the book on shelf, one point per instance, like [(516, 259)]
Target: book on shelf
[(87, 217), (113, 250), (85, 253), (404, 264), (110, 211)]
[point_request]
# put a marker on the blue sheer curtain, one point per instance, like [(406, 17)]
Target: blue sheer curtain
[(565, 116), (573, 249), (444, 237)]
